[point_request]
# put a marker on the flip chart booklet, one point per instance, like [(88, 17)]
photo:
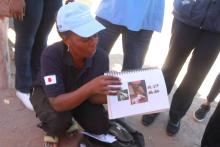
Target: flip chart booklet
[(142, 92)]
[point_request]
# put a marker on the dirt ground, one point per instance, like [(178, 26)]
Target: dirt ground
[(18, 126)]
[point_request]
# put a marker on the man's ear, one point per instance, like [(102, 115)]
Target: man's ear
[(66, 41)]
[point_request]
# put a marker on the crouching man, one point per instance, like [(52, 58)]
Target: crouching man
[(71, 83)]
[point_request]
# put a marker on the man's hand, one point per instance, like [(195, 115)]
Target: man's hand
[(107, 85), (17, 9)]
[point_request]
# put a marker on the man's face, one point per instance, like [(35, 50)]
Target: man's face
[(82, 47)]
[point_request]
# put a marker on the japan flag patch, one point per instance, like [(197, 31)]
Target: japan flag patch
[(50, 80)]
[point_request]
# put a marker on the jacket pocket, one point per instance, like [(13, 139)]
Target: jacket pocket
[(217, 24), (184, 7)]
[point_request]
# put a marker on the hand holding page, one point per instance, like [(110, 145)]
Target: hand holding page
[(142, 91)]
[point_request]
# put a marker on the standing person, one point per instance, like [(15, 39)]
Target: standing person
[(136, 21), (212, 132), (200, 114), (33, 21), (196, 30), (72, 83)]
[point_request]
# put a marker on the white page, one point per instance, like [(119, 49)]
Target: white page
[(128, 102), (104, 137)]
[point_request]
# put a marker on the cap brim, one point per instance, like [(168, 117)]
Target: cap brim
[(89, 29)]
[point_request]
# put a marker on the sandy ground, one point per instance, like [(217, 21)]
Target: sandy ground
[(18, 126)]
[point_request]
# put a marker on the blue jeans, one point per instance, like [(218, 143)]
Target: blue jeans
[(135, 43), (31, 39), (205, 46)]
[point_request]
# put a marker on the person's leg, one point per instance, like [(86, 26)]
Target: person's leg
[(108, 36), (93, 118), (212, 131), (135, 46), (204, 54), (53, 123), (182, 42), (200, 114), (25, 37), (180, 48), (214, 90), (50, 8)]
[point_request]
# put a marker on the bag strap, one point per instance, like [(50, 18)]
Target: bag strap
[(120, 132), (137, 136)]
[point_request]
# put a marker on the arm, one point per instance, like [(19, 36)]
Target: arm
[(98, 99), (96, 90), (17, 9)]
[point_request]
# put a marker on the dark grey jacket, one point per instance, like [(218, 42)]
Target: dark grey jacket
[(203, 14)]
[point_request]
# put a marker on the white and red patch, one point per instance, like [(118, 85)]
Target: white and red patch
[(50, 80)]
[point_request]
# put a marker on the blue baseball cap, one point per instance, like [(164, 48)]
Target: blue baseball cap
[(76, 17)]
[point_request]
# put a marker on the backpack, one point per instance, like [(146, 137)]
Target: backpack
[(126, 136)]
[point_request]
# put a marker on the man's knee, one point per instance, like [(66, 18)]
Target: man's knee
[(96, 124), (52, 122), (55, 124)]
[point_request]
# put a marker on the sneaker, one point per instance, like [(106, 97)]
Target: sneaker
[(173, 127), (200, 114), (149, 118), (25, 98)]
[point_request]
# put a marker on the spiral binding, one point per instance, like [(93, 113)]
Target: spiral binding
[(131, 71)]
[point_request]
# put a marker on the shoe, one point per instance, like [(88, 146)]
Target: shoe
[(25, 98), (173, 127), (200, 114), (149, 118)]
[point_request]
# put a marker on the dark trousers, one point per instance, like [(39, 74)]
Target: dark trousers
[(135, 43), (214, 90), (204, 46), (92, 118), (31, 39), (212, 132)]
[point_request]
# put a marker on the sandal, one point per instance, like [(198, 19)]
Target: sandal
[(50, 141)]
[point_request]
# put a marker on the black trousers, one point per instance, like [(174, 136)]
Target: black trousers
[(204, 46), (214, 90), (212, 133), (92, 118)]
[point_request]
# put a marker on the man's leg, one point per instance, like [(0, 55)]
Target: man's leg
[(180, 48), (212, 131), (49, 11), (202, 59), (214, 90), (25, 37), (108, 36), (52, 122), (135, 46), (200, 114), (93, 118)]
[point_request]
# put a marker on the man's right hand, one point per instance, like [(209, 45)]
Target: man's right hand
[(107, 85), (17, 9)]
